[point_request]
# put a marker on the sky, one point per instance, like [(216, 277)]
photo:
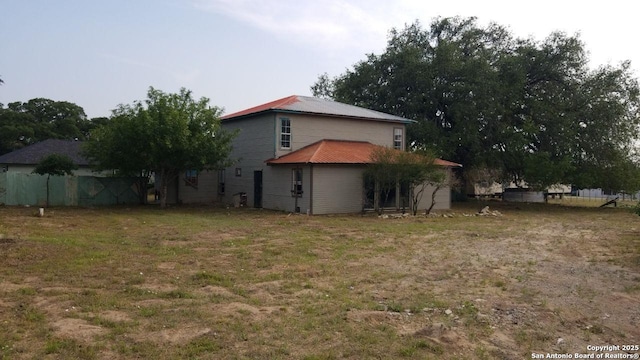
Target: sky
[(242, 53)]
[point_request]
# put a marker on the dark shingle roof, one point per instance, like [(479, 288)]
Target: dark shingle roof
[(32, 154), (311, 105)]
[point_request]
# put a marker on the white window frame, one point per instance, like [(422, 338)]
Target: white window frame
[(285, 133), (398, 138)]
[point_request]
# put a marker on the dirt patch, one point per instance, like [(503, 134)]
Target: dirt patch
[(7, 241), (217, 291), (115, 316), (203, 283), (253, 313), (178, 336), (77, 329)]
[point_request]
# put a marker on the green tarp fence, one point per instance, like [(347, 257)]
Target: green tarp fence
[(31, 189)]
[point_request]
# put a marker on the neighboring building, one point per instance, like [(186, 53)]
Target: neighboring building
[(25, 160), (19, 186), (605, 194), (302, 154), (488, 189)]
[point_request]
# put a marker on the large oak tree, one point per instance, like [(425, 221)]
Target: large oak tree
[(532, 109), (25, 123)]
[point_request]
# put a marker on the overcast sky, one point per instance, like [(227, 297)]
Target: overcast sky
[(241, 53)]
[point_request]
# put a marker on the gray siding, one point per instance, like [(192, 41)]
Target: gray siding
[(254, 144), (307, 129), (443, 199), (204, 193), (443, 196), (277, 189), (337, 189), (259, 140)]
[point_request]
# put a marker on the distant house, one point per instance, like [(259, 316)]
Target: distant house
[(25, 160), (19, 186), (303, 154), (512, 192)]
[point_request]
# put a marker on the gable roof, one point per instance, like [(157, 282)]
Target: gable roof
[(32, 154), (316, 106), (337, 152)]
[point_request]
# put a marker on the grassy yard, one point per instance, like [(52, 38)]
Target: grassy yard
[(209, 283)]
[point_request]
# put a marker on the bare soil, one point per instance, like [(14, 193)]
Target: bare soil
[(215, 283)]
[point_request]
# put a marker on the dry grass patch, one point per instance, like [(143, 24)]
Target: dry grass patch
[(200, 282)]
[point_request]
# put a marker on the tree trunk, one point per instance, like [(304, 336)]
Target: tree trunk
[(414, 200), (433, 200), (163, 189), (163, 196), (141, 184)]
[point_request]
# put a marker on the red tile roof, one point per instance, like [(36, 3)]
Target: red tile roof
[(336, 152), (446, 163), (316, 106)]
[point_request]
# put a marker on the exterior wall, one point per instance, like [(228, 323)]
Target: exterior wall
[(307, 129), (205, 192), (443, 199), (484, 189), (337, 189), (523, 195), (254, 145), (443, 196), (601, 194), (277, 189), (496, 189)]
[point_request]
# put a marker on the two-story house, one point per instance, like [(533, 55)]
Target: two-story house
[(304, 154)]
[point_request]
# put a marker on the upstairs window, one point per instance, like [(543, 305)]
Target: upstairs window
[(285, 133), (398, 138)]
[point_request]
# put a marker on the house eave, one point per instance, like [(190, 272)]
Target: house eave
[(295, 112)]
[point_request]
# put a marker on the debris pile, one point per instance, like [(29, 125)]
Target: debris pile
[(486, 212)]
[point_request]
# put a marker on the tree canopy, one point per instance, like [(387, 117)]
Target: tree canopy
[(412, 171), (534, 110), (23, 124), (166, 134), (54, 164)]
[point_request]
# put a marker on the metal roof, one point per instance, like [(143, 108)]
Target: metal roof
[(32, 154), (316, 106), (337, 152)]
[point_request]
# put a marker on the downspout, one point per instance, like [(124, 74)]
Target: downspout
[(275, 134), (295, 195), (310, 212), (295, 189)]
